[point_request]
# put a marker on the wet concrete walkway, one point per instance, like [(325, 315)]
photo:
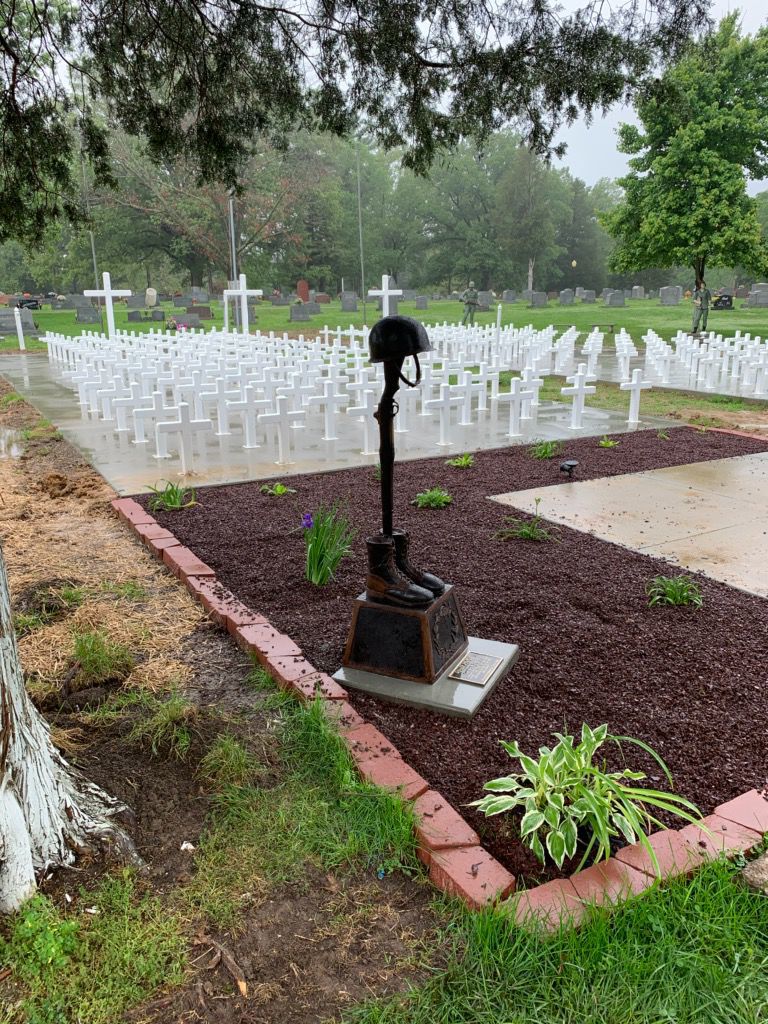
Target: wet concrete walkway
[(710, 517), (131, 468)]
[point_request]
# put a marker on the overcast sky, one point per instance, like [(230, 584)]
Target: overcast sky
[(592, 151)]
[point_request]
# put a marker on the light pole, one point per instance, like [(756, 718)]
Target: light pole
[(233, 250)]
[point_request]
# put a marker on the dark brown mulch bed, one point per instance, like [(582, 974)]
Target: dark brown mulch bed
[(690, 683)]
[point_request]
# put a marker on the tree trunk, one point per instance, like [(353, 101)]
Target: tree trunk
[(531, 264), (698, 267), (48, 813)]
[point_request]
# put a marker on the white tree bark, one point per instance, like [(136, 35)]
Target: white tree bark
[(531, 264), (48, 812)]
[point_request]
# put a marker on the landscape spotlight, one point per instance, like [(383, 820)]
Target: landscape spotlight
[(568, 467)]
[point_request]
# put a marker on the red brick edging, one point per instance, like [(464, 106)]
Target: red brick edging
[(447, 845)]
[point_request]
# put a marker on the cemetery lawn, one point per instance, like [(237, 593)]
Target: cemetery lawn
[(283, 884), (689, 682), (637, 317)]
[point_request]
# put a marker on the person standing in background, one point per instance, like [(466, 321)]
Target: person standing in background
[(701, 299)]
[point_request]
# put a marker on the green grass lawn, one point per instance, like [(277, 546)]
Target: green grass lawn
[(637, 316)]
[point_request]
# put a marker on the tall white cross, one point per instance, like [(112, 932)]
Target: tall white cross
[(385, 293), (579, 389), (19, 328), (108, 293), (186, 428), (282, 420), (365, 412), (242, 292), (636, 386)]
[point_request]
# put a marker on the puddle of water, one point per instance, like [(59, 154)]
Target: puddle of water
[(11, 446)]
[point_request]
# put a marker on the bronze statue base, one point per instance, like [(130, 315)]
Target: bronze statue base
[(408, 643)]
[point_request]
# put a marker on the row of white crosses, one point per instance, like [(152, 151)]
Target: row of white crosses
[(737, 365)]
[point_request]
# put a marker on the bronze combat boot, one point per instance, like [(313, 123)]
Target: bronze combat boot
[(384, 583), (422, 579)]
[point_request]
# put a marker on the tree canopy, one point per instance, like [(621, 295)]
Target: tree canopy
[(211, 81), (704, 134)]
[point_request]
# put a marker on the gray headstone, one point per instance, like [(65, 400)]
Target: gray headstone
[(421, 302), (189, 320), (758, 298), (392, 305), (566, 297), (526, 295), (409, 294), (638, 292), (588, 295), (313, 308), (134, 316), (88, 315), (134, 302), (579, 293), (605, 293), (437, 297), (300, 313), (508, 295), (538, 298), (615, 299), (348, 303), (199, 293), (158, 314), (80, 301), (669, 296), (280, 301), (485, 298), (8, 320), (204, 312)]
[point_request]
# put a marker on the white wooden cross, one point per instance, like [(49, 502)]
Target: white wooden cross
[(19, 328), (155, 411), (516, 396), (535, 384), (186, 428), (579, 389), (241, 292), (385, 293), (108, 293), (443, 405), (406, 402), (282, 420), (249, 407), (330, 401), (465, 389), (365, 411), (122, 405), (636, 386), (221, 396)]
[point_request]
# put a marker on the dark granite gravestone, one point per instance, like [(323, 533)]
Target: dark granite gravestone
[(80, 301), (421, 302), (484, 299), (8, 321), (615, 299), (182, 301), (566, 297), (409, 295), (313, 308), (158, 314), (189, 320), (134, 302), (204, 312), (539, 298), (348, 303), (508, 295), (300, 313), (302, 290), (605, 293), (134, 316), (87, 315)]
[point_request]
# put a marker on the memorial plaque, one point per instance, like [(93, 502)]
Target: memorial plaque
[(476, 669)]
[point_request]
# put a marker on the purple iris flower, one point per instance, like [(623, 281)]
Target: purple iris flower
[(307, 521)]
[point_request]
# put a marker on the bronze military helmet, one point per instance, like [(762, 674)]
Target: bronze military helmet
[(396, 337)]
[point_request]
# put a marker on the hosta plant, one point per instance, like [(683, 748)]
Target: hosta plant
[(465, 461), (608, 442), (276, 490), (565, 796), (435, 497)]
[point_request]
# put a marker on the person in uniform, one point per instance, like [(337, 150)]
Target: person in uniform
[(701, 299), (469, 298)]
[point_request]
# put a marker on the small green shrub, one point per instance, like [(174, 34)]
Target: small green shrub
[(607, 442), (172, 497), (227, 763), (27, 622), (545, 449), (100, 659), (662, 435), (465, 461), (42, 941), (168, 727), (435, 497), (564, 794), (276, 490), (526, 529), (673, 590), (328, 537)]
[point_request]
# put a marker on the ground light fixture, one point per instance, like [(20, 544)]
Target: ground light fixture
[(568, 467)]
